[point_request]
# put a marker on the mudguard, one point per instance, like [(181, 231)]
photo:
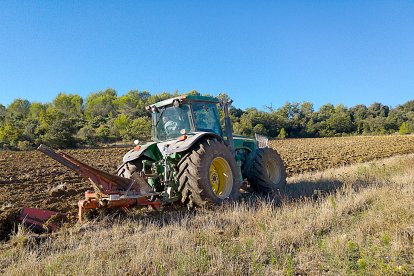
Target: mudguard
[(149, 149), (178, 145), (154, 150)]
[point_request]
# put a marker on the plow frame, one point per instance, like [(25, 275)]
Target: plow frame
[(110, 191)]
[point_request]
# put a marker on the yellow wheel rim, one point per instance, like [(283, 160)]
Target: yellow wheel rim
[(221, 177)]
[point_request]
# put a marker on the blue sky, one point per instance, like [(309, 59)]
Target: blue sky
[(259, 52)]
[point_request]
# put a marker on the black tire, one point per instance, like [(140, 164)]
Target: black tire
[(199, 174), (132, 170), (265, 171), (127, 169)]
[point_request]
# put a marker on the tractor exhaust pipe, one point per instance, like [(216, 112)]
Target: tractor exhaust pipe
[(227, 122)]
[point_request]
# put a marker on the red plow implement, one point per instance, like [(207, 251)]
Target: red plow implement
[(110, 191)]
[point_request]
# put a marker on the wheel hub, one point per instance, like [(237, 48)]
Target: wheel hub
[(214, 180)]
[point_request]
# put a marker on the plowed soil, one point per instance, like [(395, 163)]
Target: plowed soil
[(315, 154), (26, 178)]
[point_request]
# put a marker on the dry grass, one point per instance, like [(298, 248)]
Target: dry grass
[(352, 220)]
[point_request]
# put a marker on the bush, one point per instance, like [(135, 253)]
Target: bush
[(60, 134), (24, 145), (282, 134), (87, 135), (260, 129), (404, 129)]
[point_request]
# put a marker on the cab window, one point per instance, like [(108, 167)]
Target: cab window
[(206, 117)]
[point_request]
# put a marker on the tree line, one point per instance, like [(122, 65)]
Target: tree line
[(104, 117)]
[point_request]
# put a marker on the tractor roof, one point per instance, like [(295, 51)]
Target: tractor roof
[(186, 98)]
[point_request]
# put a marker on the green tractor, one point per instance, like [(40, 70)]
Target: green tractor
[(192, 160)]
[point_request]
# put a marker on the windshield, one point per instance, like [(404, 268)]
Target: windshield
[(170, 121)]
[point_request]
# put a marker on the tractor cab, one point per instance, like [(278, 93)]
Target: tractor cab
[(186, 114)]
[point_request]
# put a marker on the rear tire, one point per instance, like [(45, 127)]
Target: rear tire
[(127, 169), (265, 171), (208, 174)]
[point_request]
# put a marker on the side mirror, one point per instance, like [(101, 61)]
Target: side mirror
[(155, 109), (177, 103)]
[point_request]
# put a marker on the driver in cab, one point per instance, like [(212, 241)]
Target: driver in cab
[(170, 126)]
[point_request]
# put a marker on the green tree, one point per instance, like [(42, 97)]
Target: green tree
[(325, 112), (282, 134), (319, 124), (340, 121), (104, 134), (306, 113), (36, 110), (60, 134), (375, 125), (132, 104), (358, 114), (194, 93), (102, 103), (260, 129), (70, 105), (128, 130), (2, 114), (223, 96), (404, 129), (141, 129), (13, 122), (122, 124), (10, 135), (251, 118), (87, 135), (378, 110), (17, 110)]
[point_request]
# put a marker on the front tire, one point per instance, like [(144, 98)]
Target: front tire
[(265, 171), (208, 174)]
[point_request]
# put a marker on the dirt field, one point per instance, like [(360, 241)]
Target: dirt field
[(304, 155), (27, 177)]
